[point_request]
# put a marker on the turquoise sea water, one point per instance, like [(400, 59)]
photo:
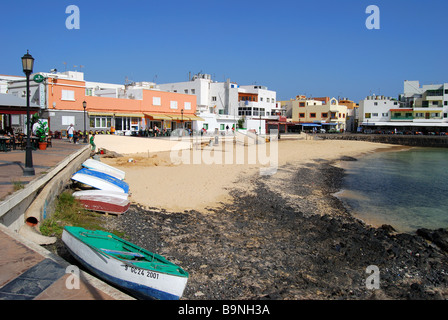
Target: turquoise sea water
[(405, 189)]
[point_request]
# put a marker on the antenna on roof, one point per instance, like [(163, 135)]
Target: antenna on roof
[(65, 63)]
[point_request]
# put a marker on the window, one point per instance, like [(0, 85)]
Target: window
[(100, 122), (213, 98), (374, 114), (186, 91), (324, 115), (435, 103), (375, 103), (187, 105), (267, 100), (301, 115), (368, 115), (313, 115), (193, 91), (385, 114), (222, 126), (445, 115), (395, 103), (301, 104), (434, 93), (124, 123), (205, 126), (89, 91), (173, 104), (68, 120), (156, 101), (445, 103), (68, 95)]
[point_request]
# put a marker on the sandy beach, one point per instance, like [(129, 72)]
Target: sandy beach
[(155, 181)]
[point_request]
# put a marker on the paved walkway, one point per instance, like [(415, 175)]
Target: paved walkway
[(27, 270), (13, 162), (30, 272)]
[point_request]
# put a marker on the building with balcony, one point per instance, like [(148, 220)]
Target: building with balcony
[(223, 104), (127, 108), (419, 108), (311, 113)]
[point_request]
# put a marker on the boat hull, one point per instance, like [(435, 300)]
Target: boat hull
[(100, 180), (106, 204), (96, 192), (141, 283), (105, 168)]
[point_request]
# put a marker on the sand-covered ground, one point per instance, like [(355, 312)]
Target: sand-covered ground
[(156, 179)]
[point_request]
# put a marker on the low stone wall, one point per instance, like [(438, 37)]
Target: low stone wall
[(405, 140), (38, 197)]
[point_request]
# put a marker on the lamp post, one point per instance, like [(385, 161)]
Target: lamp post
[(182, 119), (27, 64), (84, 105)]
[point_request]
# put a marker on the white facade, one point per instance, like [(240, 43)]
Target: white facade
[(429, 102), (212, 97), (375, 109), (218, 103), (266, 100)]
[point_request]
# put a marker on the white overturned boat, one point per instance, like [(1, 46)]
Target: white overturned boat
[(101, 193), (105, 168), (100, 180)]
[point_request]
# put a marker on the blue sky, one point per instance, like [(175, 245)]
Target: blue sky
[(318, 48)]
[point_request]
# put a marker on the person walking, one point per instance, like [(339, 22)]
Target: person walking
[(70, 131), (92, 142)]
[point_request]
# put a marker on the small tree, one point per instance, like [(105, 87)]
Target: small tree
[(41, 131), (241, 123)]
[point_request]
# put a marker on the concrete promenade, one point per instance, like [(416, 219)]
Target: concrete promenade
[(27, 270)]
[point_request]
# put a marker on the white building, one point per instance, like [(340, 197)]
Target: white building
[(376, 110), (428, 102), (420, 108), (223, 104)]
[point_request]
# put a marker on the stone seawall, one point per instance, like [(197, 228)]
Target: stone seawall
[(405, 140)]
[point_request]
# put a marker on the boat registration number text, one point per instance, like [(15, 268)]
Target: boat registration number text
[(142, 272)]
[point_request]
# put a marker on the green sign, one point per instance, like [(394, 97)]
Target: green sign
[(38, 78)]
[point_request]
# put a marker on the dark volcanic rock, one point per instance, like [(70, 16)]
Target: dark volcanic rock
[(288, 239)]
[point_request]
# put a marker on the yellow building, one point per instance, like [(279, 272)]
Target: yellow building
[(309, 112)]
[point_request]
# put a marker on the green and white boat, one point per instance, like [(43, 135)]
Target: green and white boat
[(143, 274)]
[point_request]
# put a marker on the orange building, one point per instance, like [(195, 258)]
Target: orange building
[(124, 109)]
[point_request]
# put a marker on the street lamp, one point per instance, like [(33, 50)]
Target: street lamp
[(84, 105), (182, 119), (27, 64)]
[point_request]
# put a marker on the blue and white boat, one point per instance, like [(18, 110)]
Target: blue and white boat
[(100, 180), (105, 168)]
